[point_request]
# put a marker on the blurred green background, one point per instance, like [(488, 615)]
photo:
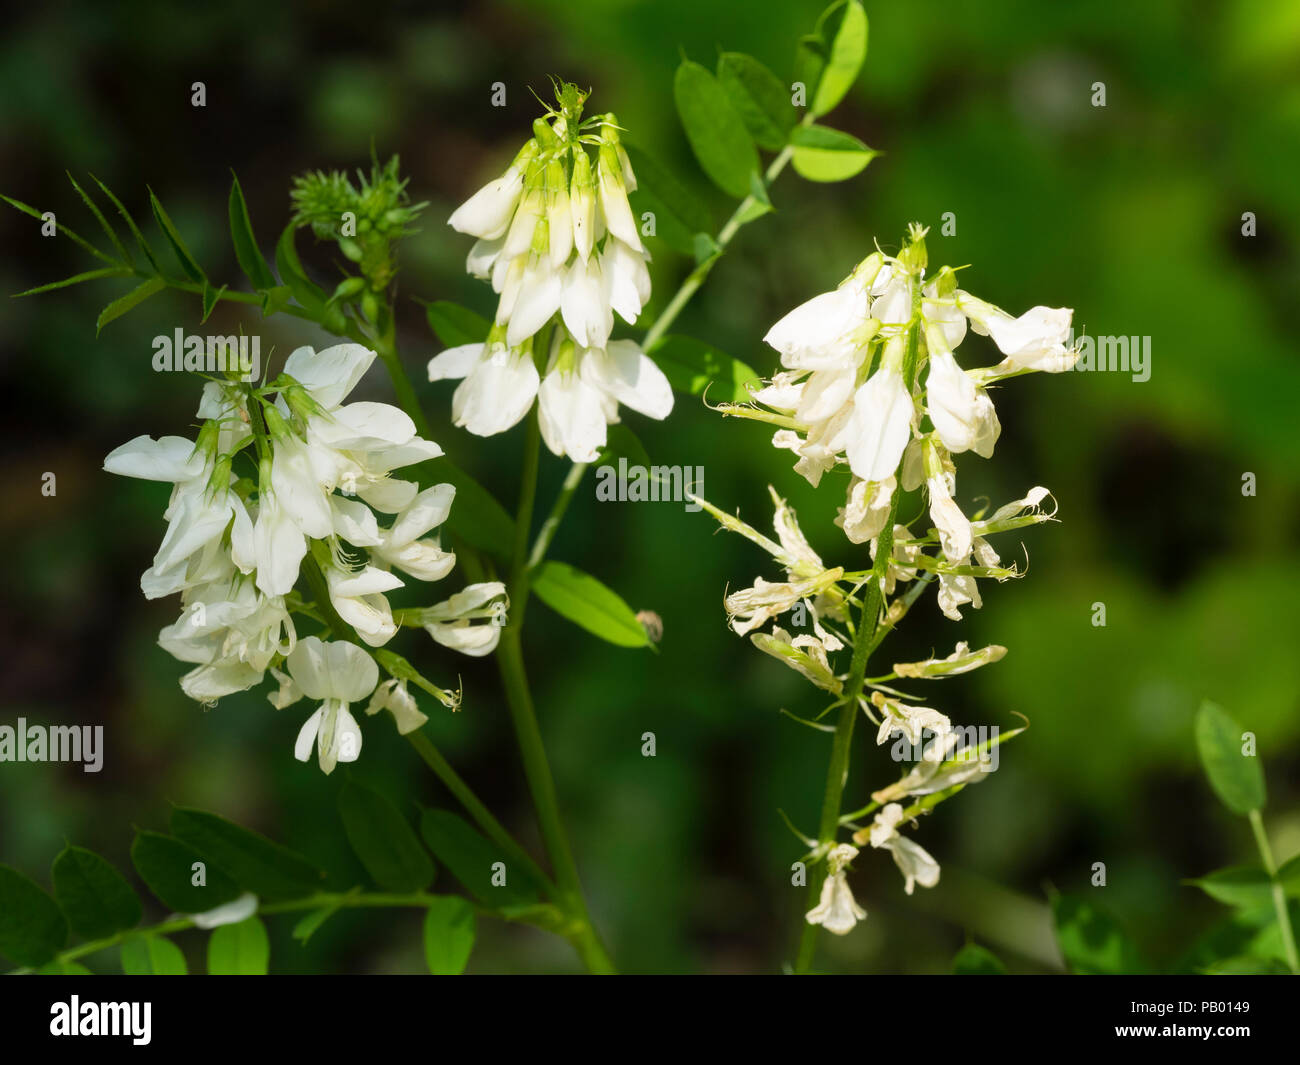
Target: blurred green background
[(1130, 213)]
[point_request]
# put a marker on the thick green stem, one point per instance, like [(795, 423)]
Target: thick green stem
[(1279, 894)]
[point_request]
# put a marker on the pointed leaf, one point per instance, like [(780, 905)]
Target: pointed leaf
[(449, 930), (387, 846), (760, 98), (1235, 776), (678, 214), (716, 132), (825, 154), (474, 861), (843, 27), (96, 898), (241, 235), (103, 222), (81, 242), (254, 862), (241, 949), (170, 869), (76, 279), (455, 325), (183, 255), (130, 224), (152, 956), (588, 603), (129, 302), (32, 927)]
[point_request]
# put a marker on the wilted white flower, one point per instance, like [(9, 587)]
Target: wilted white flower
[(913, 860), (836, 910)]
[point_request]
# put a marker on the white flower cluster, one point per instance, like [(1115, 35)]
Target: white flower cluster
[(557, 237), (319, 471), (869, 380)]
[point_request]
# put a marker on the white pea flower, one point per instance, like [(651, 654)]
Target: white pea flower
[(392, 696), (962, 660), (866, 510), (406, 546), (498, 384), (337, 674), (471, 620), (908, 721), (836, 910), (913, 860), (881, 424), (357, 596), (962, 413)]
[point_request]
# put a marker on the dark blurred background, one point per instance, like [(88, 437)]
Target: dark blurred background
[(1130, 213)]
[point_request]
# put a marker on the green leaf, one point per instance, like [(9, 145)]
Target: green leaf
[(471, 857), (59, 227), (382, 839), (449, 930), (256, 864), (308, 295), (1246, 966), (183, 256), (974, 960), (129, 302), (152, 956), (692, 366), (843, 28), (678, 214), (621, 442), (1248, 886), (825, 154), (58, 967), (760, 98), (130, 223), (1092, 942), (311, 923), (476, 516), (97, 899), (76, 279), (241, 235), (32, 927), (716, 132), (455, 325), (241, 949), (167, 866), (1235, 777), (588, 603), (1242, 885), (211, 297), (103, 222)]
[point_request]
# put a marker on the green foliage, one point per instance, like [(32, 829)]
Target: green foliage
[(824, 154), (472, 858), (455, 325), (168, 867), (241, 235), (694, 368), (96, 898), (588, 603), (152, 955), (679, 216), (449, 931), (240, 949), (1091, 940), (387, 846), (974, 960), (1235, 775), (269, 870), (716, 132), (760, 98), (830, 58), (32, 927)]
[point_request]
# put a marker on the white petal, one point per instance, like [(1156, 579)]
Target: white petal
[(329, 374), (456, 362), (880, 426)]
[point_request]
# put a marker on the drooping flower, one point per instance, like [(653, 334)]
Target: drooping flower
[(336, 674), (913, 860), (837, 911)]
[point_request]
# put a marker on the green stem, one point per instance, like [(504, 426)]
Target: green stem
[(537, 769), (689, 287), (1279, 894), (871, 630), (320, 900)]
